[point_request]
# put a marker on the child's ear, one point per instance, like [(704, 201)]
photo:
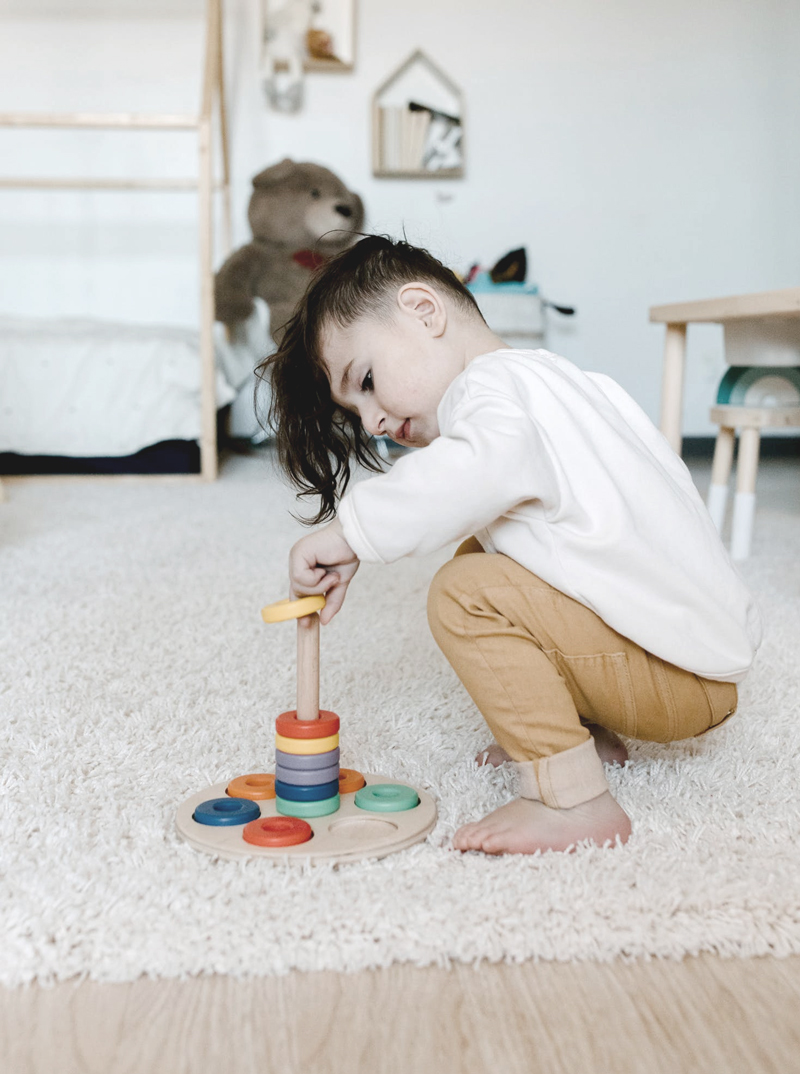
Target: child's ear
[(416, 299), (424, 303)]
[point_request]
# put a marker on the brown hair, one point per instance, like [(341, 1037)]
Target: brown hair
[(314, 436)]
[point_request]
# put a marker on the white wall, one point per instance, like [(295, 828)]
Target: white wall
[(642, 152)]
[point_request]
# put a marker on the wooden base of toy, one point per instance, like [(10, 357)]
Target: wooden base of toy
[(349, 834)]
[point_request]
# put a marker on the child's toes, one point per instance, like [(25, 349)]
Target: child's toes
[(466, 838), (488, 842), (460, 838)]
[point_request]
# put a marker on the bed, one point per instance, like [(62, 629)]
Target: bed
[(88, 395)]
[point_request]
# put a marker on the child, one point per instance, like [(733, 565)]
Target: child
[(591, 594)]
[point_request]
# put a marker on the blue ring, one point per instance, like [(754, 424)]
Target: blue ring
[(291, 793), (307, 762), (226, 812)]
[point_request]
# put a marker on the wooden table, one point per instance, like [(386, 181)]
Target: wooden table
[(760, 329)]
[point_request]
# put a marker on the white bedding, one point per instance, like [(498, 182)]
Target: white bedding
[(92, 388)]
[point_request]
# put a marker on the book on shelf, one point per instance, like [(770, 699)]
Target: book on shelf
[(402, 137)]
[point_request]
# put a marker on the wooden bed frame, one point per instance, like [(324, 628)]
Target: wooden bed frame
[(212, 93)]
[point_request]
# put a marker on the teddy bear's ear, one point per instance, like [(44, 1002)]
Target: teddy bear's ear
[(275, 174)]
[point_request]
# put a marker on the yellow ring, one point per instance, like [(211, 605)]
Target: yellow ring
[(306, 745), (292, 609)]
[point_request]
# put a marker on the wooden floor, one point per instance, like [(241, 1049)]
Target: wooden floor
[(701, 1016)]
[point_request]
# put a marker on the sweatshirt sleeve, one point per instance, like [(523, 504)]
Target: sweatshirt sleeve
[(491, 458)]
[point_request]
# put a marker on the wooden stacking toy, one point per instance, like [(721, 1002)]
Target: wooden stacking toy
[(309, 807)]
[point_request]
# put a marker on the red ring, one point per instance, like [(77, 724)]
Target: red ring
[(277, 832), (288, 725)]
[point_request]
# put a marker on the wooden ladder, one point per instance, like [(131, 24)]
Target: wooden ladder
[(212, 92)]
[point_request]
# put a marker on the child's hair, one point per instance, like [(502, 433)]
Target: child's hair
[(315, 437)]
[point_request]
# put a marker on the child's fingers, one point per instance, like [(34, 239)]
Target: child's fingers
[(306, 583), (324, 586), (334, 599), (325, 583)]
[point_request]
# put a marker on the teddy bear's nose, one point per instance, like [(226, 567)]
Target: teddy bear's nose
[(345, 210)]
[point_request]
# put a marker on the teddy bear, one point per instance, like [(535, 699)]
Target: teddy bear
[(301, 214)]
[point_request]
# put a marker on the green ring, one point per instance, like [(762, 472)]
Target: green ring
[(387, 798), (307, 809)]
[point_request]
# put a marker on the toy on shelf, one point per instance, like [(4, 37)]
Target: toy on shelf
[(309, 807), (508, 277)]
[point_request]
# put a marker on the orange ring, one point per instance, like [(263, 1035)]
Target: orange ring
[(350, 781), (277, 832), (288, 725), (257, 787)]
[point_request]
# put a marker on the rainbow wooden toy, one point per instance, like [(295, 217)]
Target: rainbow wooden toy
[(309, 807)]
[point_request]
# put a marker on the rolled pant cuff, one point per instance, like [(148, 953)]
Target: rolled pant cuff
[(564, 779)]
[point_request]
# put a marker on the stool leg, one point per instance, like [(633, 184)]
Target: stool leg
[(720, 475), (745, 502)]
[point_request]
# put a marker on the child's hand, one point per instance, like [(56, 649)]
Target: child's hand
[(323, 562)]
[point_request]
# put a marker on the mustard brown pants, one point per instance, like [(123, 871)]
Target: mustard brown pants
[(536, 662)]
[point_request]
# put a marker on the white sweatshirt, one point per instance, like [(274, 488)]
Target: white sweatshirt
[(563, 472)]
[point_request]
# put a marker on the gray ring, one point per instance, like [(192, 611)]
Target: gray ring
[(307, 762), (298, 778)]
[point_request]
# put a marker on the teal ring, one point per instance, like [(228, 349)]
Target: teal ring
[(386, 798), (307, 809)]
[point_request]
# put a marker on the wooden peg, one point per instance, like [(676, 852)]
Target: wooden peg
[(306, 611), (308, 667)]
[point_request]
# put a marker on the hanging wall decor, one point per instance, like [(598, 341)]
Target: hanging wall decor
[(299, 36), (331, 37), (418, 123)]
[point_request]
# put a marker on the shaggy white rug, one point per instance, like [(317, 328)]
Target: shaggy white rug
[(135, 671)]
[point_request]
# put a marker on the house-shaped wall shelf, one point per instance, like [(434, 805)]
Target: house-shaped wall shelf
[(418, 123)]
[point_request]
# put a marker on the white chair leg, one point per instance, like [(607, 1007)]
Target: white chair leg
[(720, 475), (745, 502)]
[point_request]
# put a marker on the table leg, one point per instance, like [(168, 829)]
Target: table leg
[(672, 384)]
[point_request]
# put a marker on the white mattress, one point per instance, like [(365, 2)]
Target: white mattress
[(93, 388)]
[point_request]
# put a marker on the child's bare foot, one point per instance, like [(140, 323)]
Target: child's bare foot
[(494, 755), (525, 826), (610, 748)]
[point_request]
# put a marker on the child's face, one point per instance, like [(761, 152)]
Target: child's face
[(394, 376)]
